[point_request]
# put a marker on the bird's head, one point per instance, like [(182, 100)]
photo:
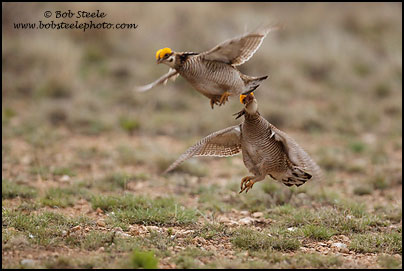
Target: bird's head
[(250, 103), (165, 56)]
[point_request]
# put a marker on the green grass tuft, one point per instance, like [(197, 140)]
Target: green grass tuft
[(318, 232), (59, 197), (362, 190), (253, 240), (390, 262), (128, 124), (11, 190), (137, 209), (144, 259), (379, 242), (113, 182)]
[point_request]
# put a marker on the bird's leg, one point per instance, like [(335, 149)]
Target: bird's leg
[(214, 101), (224, 98), (248, 182)]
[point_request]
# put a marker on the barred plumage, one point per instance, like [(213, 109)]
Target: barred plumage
[(222, 143), (214, 72), (266, 150)]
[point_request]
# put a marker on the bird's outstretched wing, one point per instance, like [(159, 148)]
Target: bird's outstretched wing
[(222, 143), (162, 80), (296, 154), (238, 50)]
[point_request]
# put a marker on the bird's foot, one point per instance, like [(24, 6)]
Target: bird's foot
[(214, 101), (224, 98), (246, 184)]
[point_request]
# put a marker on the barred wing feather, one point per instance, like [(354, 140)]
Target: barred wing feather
[(222, 143), (238, 50), (162, 80)]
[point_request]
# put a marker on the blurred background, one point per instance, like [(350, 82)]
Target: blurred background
[(335, 74), (72, 120)]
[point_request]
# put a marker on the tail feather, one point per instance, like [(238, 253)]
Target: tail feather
[(296, 176), (253, 83)]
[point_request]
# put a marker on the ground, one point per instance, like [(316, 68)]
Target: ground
[(83, 155)]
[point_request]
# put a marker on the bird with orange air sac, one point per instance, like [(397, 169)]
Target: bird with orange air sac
[(266, 150)]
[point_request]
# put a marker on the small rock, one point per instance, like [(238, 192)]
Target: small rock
[(246, 221), (257, 214), (369, 138), (99, 211), (177, 248), (65, 178), (76, 228), (182, 233), (340, 247), (122, 234), (292, 229), (223, 219), (64, 233), (101, 249), (345, 250), (152, 228), (26, 160), (211, 248), (27, 262), (101, 223), (81, 201), (199, 240), (344, 238), (134, 230), (244, 213), (143, 229), (118, 229)]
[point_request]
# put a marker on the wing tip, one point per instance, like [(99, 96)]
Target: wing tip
[(170, 168), (141, 88), (264, 30)]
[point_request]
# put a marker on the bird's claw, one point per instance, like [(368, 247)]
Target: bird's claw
[(246, 184), (214, 101), (224, 98)]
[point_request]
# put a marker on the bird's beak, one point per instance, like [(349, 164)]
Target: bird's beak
[(239, 114), (248, 99), (159, 61)]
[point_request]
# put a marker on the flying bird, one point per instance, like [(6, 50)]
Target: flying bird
[(266, 150), (213, 73)]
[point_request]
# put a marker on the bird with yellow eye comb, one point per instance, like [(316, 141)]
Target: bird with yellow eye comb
[(213, 73)]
